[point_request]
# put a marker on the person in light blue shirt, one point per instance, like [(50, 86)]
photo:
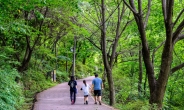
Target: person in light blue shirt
[(97, 86)]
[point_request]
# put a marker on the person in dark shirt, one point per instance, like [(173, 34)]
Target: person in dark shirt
[(73, 89)]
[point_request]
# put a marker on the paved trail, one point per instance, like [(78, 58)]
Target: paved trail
[(57, 98)]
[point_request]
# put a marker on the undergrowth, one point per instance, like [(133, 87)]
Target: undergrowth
[(34, 82)]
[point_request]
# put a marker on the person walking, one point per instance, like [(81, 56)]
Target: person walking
[(85, 88), (97, 86), (73, 89)]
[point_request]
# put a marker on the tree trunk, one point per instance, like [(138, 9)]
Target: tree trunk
[(145, 82), (111, 87), (105, 58), (27, 58), (104, 77), (66, 63), (140, 72), (165, 64), (84, 61), (147, 60), (158, 95), (29, 49), (157, 87)]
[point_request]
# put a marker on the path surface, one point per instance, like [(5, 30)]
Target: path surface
[(57, 98)]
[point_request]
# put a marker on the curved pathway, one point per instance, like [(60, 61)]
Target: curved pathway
[(57, 98)]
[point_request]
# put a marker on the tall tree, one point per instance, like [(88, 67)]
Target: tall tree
[(111, 26), (35, 19), (107, 66), (158, 86)]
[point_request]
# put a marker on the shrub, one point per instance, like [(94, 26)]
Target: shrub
[(134, 105), (61, 76), (35, 81), (11, 97)]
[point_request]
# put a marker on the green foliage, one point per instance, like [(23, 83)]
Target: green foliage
[(83, 70), (62, 76), (149, 107), (11, 97), (35, 81), (133, 105), (136, 105), (65, 19), (175, 91)]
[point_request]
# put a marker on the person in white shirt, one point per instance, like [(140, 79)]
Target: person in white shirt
[(85, 89)]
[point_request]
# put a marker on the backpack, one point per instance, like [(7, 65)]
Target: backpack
[(72, 84)]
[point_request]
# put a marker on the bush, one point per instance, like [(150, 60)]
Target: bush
[(11, 97), (136, 105), (35, 81), (61, 76)]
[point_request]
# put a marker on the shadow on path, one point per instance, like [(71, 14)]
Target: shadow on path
[(57, 98)]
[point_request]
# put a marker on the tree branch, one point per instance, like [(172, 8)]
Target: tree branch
[(107, 17), (130, 7), (125, 27), (164, 9), (154, 51), (140, 6), (176, 68), (91, 22), (178, 31), (148, 13), (88, 38), (40, 28), (180, 37), (121, 52), (97, 7), (170, 10), (178, 17)]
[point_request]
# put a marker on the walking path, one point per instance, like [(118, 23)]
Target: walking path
[(57, 98)]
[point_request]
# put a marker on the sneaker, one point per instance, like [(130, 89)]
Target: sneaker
[(95, 102), (72, 102), (100, 103), (86, 102)]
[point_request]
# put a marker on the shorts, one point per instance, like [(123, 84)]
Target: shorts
[(97, 93), (85, 95)]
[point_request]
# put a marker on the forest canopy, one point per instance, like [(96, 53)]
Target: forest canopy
[(136, 47)]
